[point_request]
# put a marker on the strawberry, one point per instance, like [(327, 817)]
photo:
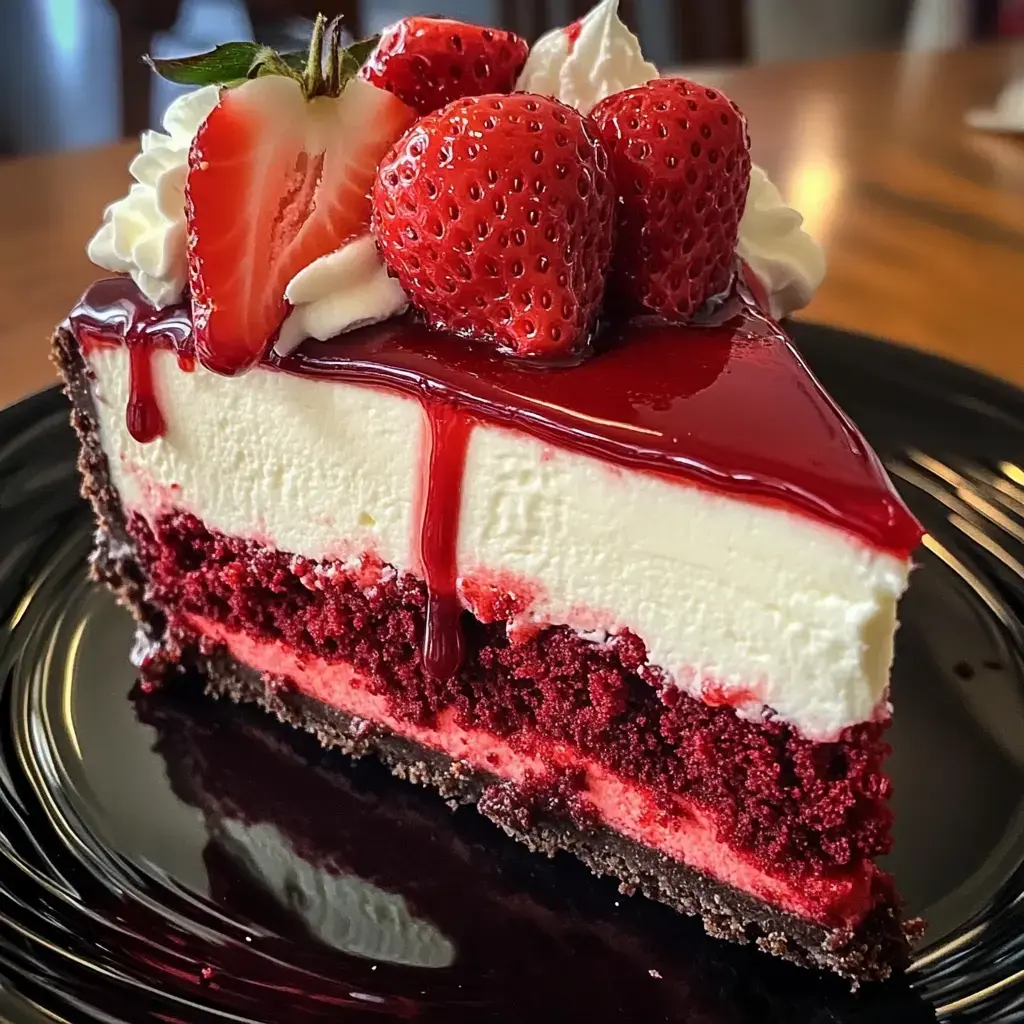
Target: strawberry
[(681, 162), (495, 214), (275, 181), (428, 62)]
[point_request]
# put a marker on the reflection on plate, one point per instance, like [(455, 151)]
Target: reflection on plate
[(166, 857)]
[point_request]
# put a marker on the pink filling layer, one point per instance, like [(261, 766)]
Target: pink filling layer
[(687, 835)]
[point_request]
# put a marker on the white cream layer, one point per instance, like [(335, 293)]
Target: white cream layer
[(740, 596)]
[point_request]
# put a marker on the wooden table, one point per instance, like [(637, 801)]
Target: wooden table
[(922, 218)]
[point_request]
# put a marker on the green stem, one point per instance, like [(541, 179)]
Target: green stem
[(334, 58), (313, 77)]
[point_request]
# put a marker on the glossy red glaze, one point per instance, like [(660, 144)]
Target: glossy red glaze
[(715, 695), (440, 493), (110, 314), (572, 33), (145, 420), (726, 404)]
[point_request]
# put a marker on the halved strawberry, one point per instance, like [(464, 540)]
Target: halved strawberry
[(275, 181), (428, 62)]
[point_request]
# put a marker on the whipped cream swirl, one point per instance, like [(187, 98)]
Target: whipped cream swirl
[(338, 292), (143, 234), (787, 261), (587, 61)]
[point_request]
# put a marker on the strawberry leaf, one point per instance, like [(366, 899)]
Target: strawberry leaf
[(270, 62), (330, 65), (232, 63), (354, 57), (229, 62)]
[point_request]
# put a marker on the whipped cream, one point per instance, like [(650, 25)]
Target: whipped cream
[(786, 260), (143, 234), (587, 61), (338, 292)]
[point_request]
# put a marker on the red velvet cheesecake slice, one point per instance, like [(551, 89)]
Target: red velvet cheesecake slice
[(560, 723), (618, 572)]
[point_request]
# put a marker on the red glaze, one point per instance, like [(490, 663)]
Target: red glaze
[(572, 33), (716, 695), (145, 420), (726, 404), (497, 596), (443, 461), (729, 406), (113, 312)]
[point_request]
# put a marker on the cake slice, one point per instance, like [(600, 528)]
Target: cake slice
[(473, 443)]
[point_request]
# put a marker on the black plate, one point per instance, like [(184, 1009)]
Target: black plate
[(163, 858)]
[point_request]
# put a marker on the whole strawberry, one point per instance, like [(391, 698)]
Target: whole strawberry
[(496, 216), (681, 162), (428, 62)]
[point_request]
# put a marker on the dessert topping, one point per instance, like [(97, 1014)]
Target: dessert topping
[(279, 176), (339, 292), (788, 263), (288, 146), (496, 216), (590, 59), (681, 163), (143, 234), (428, 62), (598, 56), (322, 71)]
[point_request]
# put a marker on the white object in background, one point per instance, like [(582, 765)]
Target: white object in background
[(938, 25), (1007, 115)]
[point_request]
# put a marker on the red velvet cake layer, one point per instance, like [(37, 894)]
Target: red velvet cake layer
[(792, 805), (539, 779)]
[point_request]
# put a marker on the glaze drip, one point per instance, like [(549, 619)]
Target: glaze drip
[(114, 312), (445, 439), (145, 420)]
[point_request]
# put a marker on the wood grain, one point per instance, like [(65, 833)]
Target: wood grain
[(922, 219)]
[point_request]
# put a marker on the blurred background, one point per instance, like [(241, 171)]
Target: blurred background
[(73, 75)]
